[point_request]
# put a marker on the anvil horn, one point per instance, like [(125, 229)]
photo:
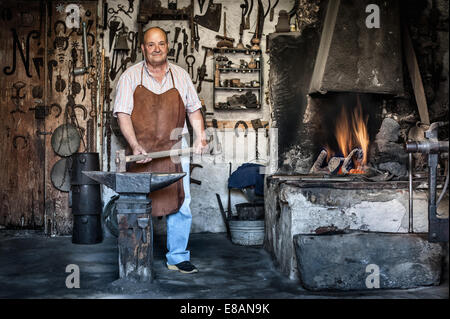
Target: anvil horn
[(161, 180)]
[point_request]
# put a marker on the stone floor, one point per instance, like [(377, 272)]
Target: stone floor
[(33, 266)]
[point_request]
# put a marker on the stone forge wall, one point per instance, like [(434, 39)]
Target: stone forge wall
[(292, 210)]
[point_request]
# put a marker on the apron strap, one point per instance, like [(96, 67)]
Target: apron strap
[(142, 71), (173, 82), (170, 70)]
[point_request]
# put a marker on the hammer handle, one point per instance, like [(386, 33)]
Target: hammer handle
[(160, 154)]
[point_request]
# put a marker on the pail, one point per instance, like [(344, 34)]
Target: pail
[(247, 232)]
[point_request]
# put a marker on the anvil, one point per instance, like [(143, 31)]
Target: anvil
[(134, 218)]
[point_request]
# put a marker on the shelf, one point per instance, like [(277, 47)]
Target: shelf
[(233, 88), (234, 50), (237, 70)]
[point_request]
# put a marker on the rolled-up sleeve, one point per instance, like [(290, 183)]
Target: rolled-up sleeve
[(192, 101), (124, 96)]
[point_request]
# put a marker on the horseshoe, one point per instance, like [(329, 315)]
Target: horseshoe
[(55, 26), (58, 107), (236, 128), (25, 141), (80, 106)]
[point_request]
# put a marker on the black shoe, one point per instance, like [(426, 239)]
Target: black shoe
[(185, 267)]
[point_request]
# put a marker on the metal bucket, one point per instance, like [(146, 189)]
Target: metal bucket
[(247, 232)]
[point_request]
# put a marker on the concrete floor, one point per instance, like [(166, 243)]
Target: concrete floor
[(33, 266)]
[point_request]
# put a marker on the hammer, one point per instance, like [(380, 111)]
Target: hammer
[(122, 159)]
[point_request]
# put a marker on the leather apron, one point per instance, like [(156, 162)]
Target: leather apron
[(154, 117)]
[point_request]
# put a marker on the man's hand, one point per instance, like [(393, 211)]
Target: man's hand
[(138, 149), (200, 146)]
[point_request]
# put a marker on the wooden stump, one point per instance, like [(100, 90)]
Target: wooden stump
[(135, 246)]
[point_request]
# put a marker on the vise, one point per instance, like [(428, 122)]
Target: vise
[(437, 227), (135, 240)]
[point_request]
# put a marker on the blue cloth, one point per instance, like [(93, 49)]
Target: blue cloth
[(179, 223), (248, 175)]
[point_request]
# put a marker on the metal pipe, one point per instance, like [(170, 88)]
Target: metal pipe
[(444, 189), (410, 226), (85, 46), (84, 69)]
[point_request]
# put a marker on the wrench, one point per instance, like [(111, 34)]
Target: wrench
[(190, 65)]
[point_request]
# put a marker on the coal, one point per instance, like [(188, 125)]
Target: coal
[(394, 168)]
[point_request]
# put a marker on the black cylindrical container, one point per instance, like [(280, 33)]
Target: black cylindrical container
[(86, 200), (87, 229), (83, 162)]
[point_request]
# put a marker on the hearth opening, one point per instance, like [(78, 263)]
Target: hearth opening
[(346, 125)]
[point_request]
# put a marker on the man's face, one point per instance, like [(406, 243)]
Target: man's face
[(155, 47)]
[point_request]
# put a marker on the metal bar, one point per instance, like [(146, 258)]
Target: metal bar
[(410, 225)]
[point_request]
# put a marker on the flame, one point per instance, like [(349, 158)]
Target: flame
[(352, 132), (360, 130)]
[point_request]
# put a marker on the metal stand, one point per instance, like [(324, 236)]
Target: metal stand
[(437, 227)]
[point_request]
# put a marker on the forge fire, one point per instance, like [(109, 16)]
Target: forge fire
[(352, 140)]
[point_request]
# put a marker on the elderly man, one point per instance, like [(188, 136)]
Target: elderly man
[(152, 98)]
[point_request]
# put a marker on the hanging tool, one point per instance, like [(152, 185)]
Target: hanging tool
[(294, 9), (84, 69), (113, 28), (237, 135), (180, 46), (217, 146), (120, 49), (225, 42), (17, 98), (120, 8), (247, 20), (224, 215), (201, 71), (200, 5), (256, 40), (175, 40), (211, 18), (268, 9), (185, 42), (244, 8), (256, 126), (190, 60), (133, 37), (272, 10), (196, 37), (50, 65)]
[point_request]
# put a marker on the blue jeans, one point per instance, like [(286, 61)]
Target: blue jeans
[(179, 224)]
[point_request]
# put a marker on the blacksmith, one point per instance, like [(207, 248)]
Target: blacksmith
[(152, 99)]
